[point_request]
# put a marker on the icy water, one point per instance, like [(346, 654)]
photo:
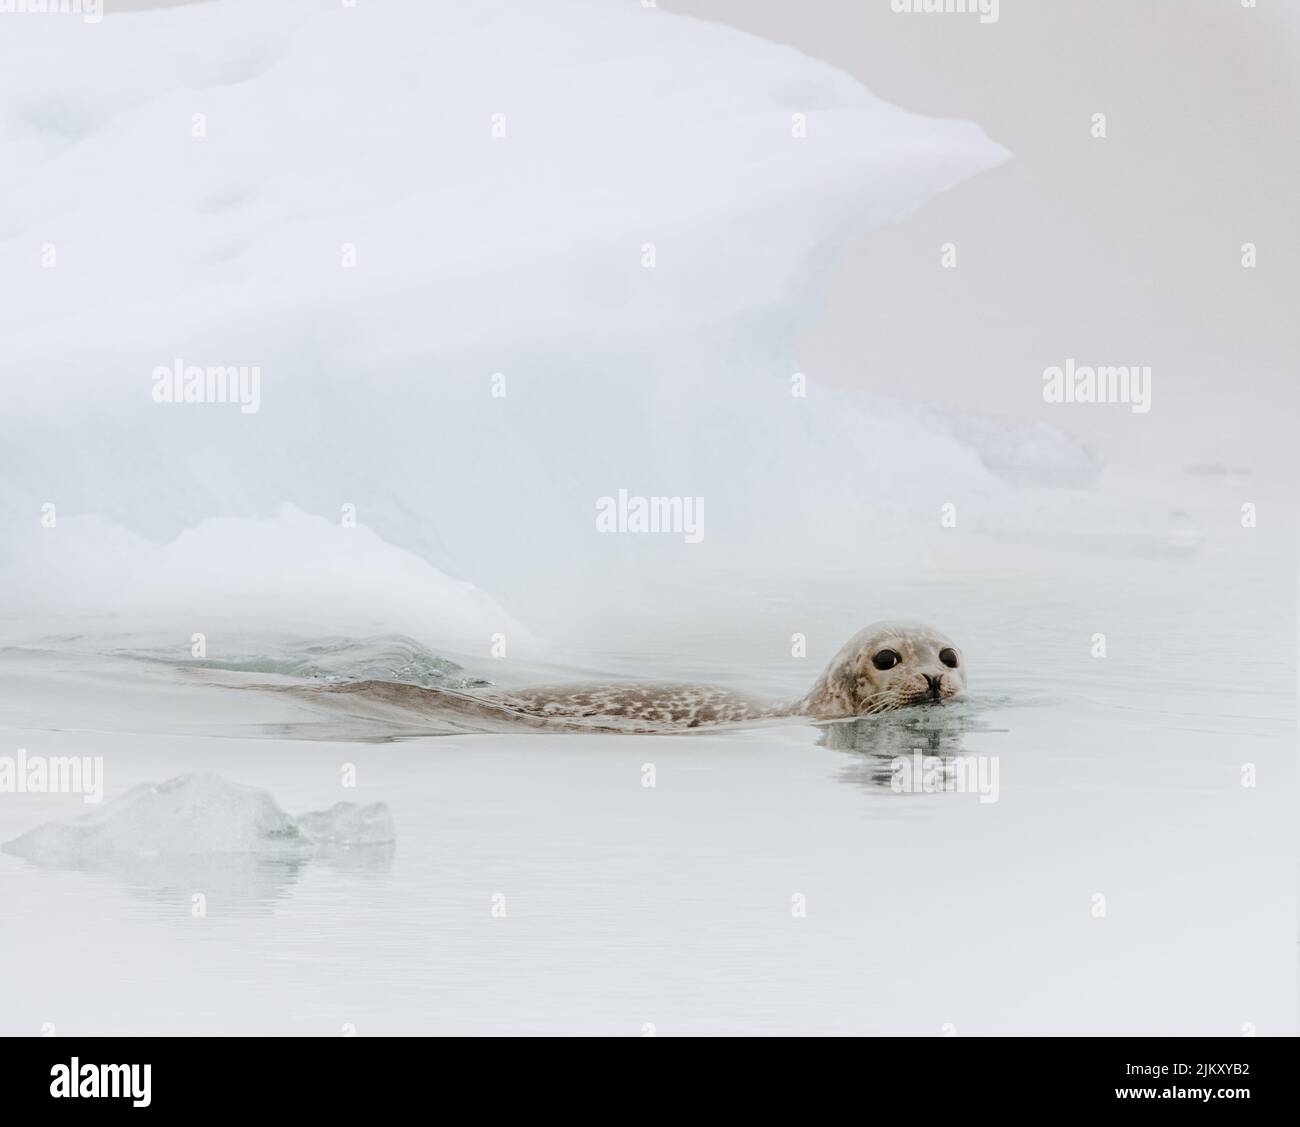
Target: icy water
[(770, 881)]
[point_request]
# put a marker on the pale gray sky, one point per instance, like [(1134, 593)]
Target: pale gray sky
[(1119, 251)]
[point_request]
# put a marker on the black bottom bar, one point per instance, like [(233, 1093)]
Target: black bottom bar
[(337, 1076)]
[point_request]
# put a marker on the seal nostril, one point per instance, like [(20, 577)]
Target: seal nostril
[(933, 682)]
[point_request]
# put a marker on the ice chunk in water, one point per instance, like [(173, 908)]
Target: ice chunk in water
[(349, 824), (201, 814)]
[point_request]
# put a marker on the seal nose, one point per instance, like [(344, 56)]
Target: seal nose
[(933, 682)]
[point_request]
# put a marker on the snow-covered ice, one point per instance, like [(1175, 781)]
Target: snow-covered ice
[(502, 172)]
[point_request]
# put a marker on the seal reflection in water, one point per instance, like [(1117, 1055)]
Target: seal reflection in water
[(886, 666), (874, 746)]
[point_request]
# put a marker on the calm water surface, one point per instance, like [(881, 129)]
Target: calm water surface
[(770, 881)]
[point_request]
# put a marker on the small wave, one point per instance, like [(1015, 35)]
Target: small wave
[(393, 658)]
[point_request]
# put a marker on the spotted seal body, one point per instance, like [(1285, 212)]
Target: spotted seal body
[(887, 665), (653, 704)]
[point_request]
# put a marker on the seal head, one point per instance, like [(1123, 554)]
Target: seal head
[(887, 665)]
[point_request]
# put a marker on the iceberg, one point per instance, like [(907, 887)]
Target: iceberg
[(200, 814), (490, 261)]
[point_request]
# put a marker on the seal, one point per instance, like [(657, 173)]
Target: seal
[(887, 665)]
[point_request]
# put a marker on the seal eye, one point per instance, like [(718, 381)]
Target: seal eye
[(886, 659), (949, 657)]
